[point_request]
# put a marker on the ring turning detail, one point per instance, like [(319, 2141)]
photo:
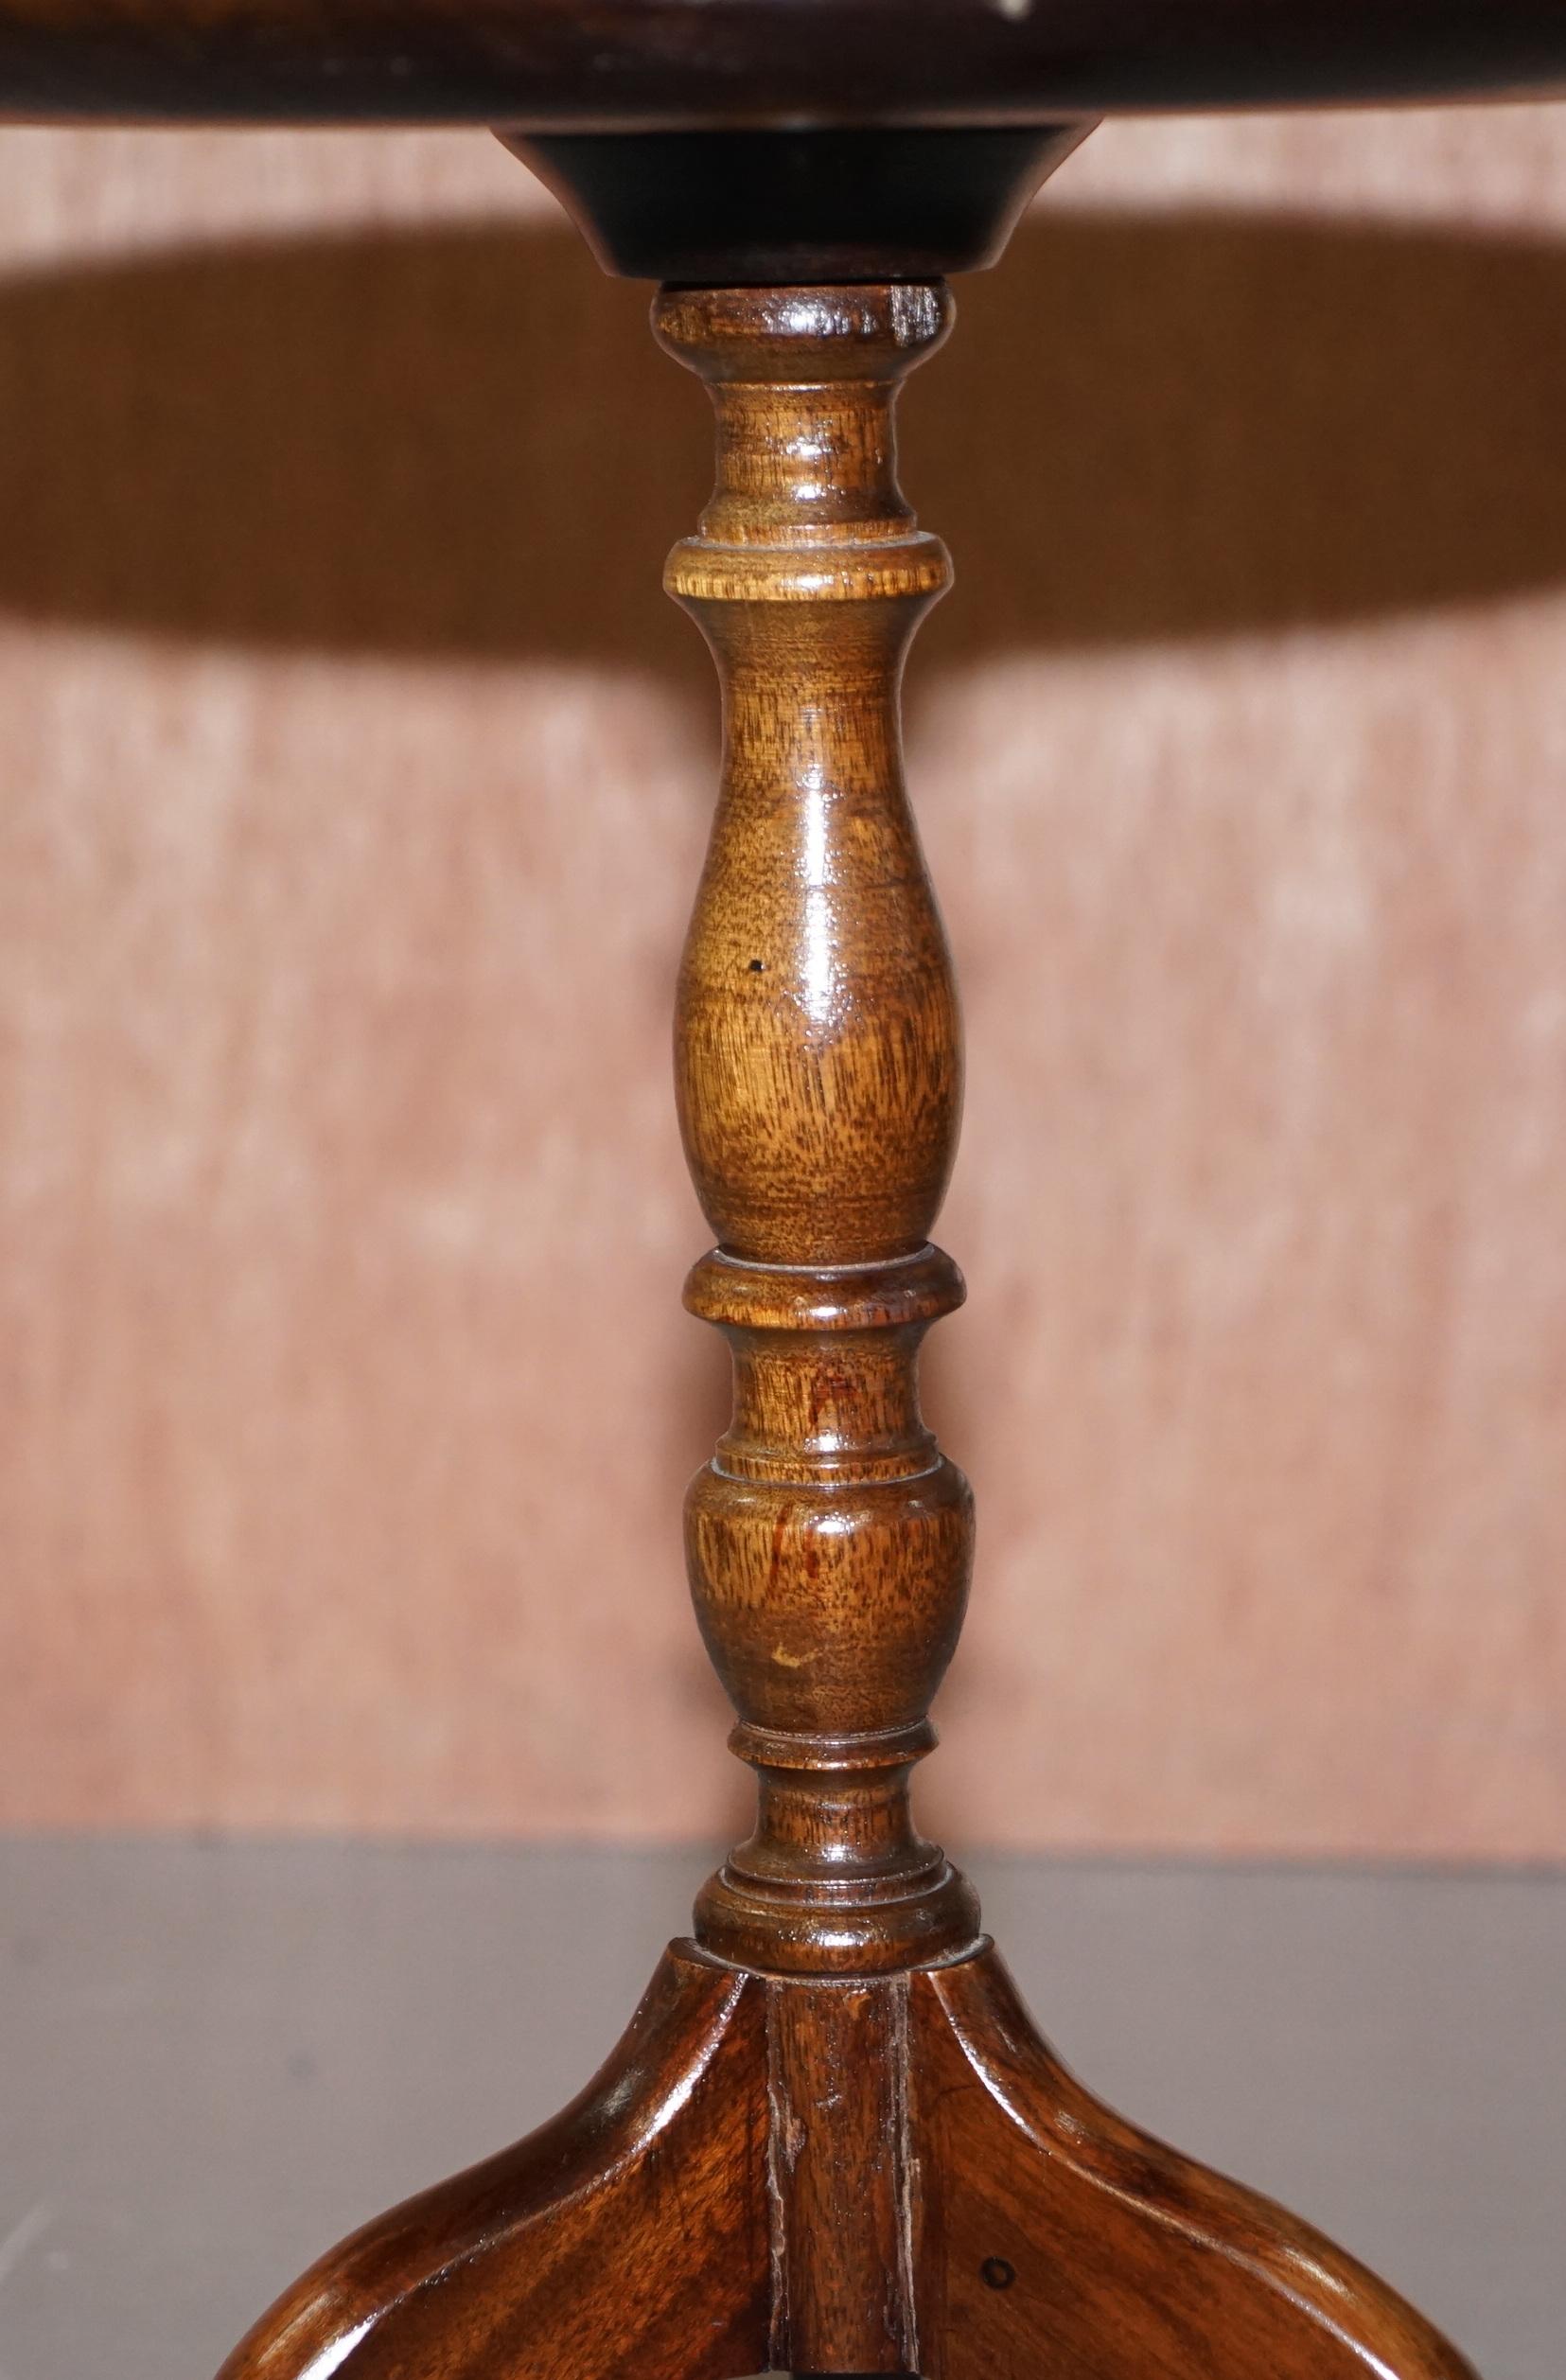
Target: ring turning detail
[(830, 2140), (818, 1071)]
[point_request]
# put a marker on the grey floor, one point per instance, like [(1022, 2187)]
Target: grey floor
[(215, 2060)]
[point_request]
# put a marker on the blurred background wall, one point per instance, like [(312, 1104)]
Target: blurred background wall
[(355, 777)]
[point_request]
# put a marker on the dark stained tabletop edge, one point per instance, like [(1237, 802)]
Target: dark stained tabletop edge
[(668, 64)]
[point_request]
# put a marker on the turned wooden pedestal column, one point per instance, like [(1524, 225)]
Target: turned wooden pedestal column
[(832, 2142), (818, 1065)]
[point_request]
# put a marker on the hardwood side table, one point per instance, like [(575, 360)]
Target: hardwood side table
[(830, 2140)]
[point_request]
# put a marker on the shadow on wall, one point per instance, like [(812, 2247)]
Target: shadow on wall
[(463, 441)]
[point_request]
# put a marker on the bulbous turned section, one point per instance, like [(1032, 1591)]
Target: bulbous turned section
[(818, 1069), (829, 1544), (817, 1059)]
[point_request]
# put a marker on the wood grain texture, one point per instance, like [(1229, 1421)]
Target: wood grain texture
[(838, 2174), (1051, 2235), (818, 1072), (557, 2258), (880, 2176), (1236, 754)]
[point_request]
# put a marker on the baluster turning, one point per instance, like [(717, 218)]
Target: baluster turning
[(819, 1066)]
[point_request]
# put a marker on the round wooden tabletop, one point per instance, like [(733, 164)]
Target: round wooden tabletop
[(601, 64)]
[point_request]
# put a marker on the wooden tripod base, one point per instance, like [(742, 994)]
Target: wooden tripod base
[(887, 2175)]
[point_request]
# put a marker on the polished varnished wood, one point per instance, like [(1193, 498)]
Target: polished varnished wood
[(832, 2142), (799, 203), (1055, 2238), (633, 2231), (888, 2174), (818, 1072), (594, 64)]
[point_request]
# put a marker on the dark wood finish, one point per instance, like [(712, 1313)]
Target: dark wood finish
[(856, 203), (832, 2142), (631, 2232), (841, 2173), (819, 1076), (592, 65), (1054, 2238), (884, 2176)]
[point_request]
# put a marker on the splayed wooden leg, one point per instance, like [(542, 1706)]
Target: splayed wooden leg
[(632, 2233), (1056, 2238)]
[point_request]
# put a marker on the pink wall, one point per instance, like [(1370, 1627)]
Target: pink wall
[(356, 779)]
